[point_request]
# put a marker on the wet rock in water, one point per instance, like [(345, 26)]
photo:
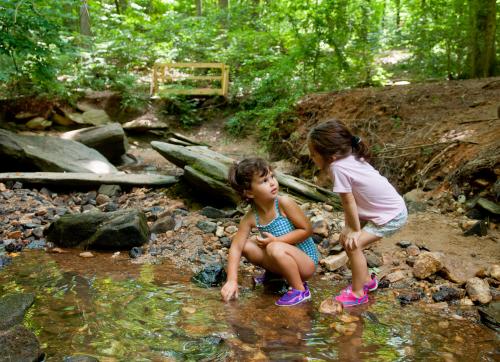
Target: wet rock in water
[(384, 283), (213, 213), (490, 316), (14, 247), (478, 290), (207, 226), (331, 306), (135, 252), (427, 263), (19, 344), (80, 358), (480, 228), (445, 294), (5, 260), (13, 307), (163, 225), (211, 276), (121, 229), (36, 244), (410, 297)]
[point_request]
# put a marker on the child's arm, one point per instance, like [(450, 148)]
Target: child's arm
[(350, 239), (294, 213), (230, 288)]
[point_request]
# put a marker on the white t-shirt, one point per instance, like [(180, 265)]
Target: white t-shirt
[(376, 199)]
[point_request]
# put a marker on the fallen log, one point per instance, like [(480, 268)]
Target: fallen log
[(88, 179)]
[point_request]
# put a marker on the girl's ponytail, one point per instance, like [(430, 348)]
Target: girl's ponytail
[(360, 148)]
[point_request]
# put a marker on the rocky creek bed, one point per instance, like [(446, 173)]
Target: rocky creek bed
[(416, 267)]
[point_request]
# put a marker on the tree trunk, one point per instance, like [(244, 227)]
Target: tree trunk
[(85, 19), (482, 38), (199, 7)]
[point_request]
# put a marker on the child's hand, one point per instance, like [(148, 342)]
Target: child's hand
[(266, 238), (349, 239), (229, 291)]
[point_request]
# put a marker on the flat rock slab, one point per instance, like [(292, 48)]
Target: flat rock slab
[(88, 179), (53, 154)]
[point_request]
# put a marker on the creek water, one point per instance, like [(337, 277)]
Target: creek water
[(114, 310)]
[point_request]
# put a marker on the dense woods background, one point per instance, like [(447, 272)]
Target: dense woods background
[(277, 50)]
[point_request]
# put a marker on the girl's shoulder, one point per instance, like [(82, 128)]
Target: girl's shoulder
[(249, 218)]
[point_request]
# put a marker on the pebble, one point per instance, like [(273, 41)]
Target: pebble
[(86, 254)]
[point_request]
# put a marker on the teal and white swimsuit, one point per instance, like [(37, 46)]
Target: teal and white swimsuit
[(281, 225)]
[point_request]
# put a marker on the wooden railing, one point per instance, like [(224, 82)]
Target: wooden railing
[(166, 73)]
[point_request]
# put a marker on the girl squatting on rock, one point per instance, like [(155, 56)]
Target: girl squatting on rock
[(284, 247), (367, 198)]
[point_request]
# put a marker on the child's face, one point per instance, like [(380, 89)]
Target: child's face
[(263, 187), (315, 156)]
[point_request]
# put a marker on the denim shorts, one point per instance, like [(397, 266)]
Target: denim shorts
[(389, 227)]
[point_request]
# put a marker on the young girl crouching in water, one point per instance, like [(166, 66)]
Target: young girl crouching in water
[(366, 196), (284, 247)]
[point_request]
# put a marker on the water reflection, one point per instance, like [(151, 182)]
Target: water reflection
[(118, 311)]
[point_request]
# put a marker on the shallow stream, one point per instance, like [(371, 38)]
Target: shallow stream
[(117, 311)]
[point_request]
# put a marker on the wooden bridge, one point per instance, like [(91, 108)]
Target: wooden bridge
[(168, 73)]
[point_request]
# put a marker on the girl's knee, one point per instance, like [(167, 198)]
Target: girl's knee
[(275, 250)]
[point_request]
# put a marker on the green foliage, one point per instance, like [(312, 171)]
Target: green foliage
[(277, 51), (184, 109)]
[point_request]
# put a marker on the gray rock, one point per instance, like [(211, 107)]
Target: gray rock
[(490, 315), (211, 276), (373, 260), (480, 229), (13, 307), (488, 205), (110, 190), (207, 226), (121, 229), (163, 225), (44, 153), (19, 344), (404, 243), (445, 294), (109, 140), (213, 213)]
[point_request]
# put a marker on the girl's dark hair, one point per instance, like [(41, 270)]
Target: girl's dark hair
[(333, 138), (241, 173)]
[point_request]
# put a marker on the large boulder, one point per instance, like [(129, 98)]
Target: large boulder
[(44, 153), (118, 230), (109, 140), (19, 344), (13, 307)]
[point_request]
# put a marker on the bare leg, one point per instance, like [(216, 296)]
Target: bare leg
[(283, 259), (359, 266), (291, 262)]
